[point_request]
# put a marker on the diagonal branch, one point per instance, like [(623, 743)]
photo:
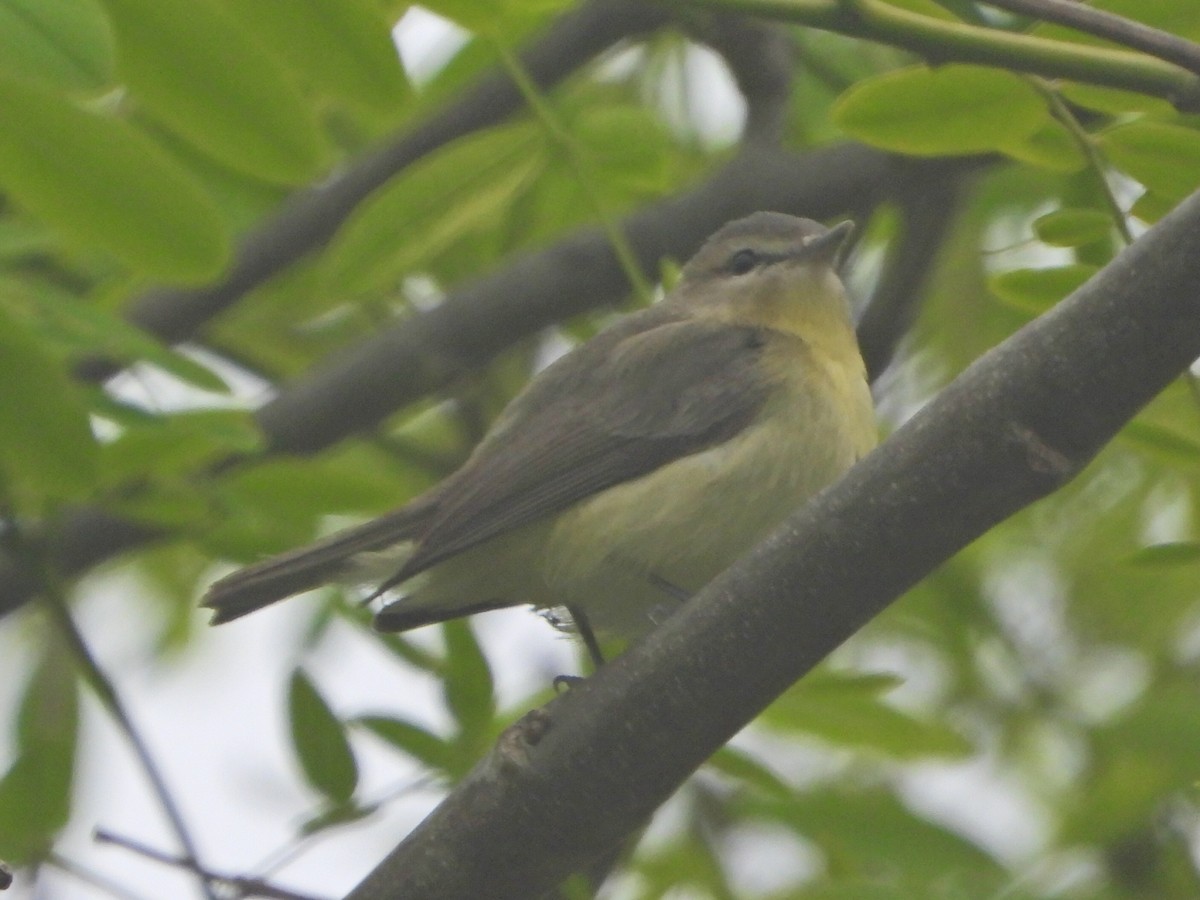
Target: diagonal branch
[(1117, 29), (941, 41), (570, 779)]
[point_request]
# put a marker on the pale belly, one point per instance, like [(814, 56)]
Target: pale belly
[(687, 522)]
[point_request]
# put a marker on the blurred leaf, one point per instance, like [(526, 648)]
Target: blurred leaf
[(200, 72), (1174, 554), (342, 46), (66, 44), (319, 739), (1072, 227), (639, 166), (1165, 158), (106, 186), (846, 711), (467, 681), (954, 109), (35, 793), (1170, 444), (179, 443), (89, 331), (1114, 101), (46, 441), (745, 768), (869, 832), (457, 192), (335, 816), (1139, 759), (424, 746), (1036, 290), (1050, 147), (1150, 207)]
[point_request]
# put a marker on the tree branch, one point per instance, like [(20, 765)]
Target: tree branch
[(941, 41), (1110, 26), (926, 216), (570, 779)]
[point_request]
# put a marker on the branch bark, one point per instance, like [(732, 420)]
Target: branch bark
[(570, 779), (1118, 29)]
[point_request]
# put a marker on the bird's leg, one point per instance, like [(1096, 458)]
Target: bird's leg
[(584, 629)]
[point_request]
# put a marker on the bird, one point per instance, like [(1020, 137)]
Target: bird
[(636, 467)]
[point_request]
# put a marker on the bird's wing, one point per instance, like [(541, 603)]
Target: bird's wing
[(623, 404)]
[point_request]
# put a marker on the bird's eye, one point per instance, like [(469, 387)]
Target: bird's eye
[(743, 261)]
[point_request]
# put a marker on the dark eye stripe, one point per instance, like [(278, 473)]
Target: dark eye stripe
[(743, 261)]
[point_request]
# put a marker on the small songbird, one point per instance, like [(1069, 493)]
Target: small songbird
[(635, 468)]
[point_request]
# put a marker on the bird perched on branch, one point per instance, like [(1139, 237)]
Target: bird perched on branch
[(635, 468)]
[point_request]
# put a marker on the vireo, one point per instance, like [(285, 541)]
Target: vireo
[(635, 468)]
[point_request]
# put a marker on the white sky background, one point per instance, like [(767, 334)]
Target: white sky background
[(215, 717)]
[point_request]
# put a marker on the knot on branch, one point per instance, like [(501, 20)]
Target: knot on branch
[(1041, 458)]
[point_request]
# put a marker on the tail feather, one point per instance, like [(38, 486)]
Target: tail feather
[(304, 568)]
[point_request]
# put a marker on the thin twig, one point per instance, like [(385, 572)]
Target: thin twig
[(1096, 162), (95, 879), (1108, 25), (244, 887), (94, 676), (583, 179), (106, 693)]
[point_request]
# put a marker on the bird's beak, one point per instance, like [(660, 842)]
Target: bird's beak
[(825, 247)]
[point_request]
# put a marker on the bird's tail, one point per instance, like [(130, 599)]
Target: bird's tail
[(261, 584)]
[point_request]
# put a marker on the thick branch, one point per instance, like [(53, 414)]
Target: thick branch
[(570, 779), (926, 216)]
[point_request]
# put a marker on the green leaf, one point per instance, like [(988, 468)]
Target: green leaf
[(319, 739), (178, 443), (413, 740), (345, 47), (745, 768), (1036, 290), (1170, 554), (1073, 227), (1172, 446), (954, 109), (467, 681), (35, 793), (65, 44), (460, 191), (105, 186), (1051, 147), (336, 816), (197, 70), (46, 441), (1165, 158), (845, 710), (86, 330), (870, 831), (1115, 101)]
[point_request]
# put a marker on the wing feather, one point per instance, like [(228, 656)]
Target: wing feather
[(624, 407)]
